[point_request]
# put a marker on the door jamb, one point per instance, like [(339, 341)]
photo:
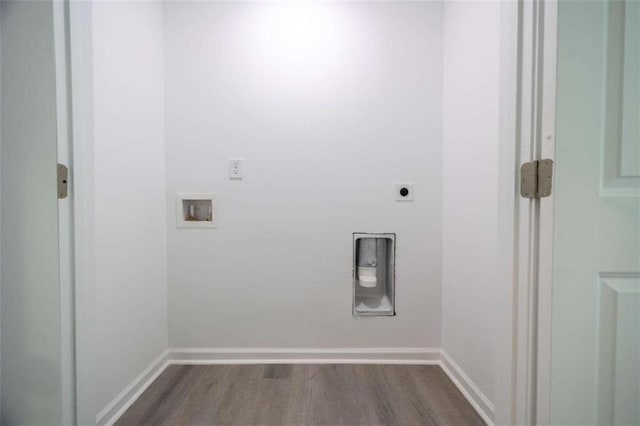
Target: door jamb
[(526, 225), (546, 145), (65, 212), (80, 17)]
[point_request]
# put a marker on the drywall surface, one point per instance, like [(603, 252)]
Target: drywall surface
[(130, 192), (470, 188), (31, 352), (329, 105)]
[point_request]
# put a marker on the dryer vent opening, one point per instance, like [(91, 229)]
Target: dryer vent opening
[(374, 274)]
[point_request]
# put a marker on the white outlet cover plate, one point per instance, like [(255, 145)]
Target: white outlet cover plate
[(235, 168), (409, 196)]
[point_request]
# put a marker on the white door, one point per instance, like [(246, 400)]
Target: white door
[(595, 322), (32, 352)]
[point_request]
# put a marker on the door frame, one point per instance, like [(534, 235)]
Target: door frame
[(80, 16), (546, 147), (523, 375), (526, 225), (65, 212), (527, 112)]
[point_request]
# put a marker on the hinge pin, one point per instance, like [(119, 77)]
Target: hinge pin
[(63, 181), (536, 178)]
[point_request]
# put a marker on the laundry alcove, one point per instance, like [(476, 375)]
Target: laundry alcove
[(242, 151)]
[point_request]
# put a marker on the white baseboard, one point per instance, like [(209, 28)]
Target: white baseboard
[(305, 356), (181, 356), (474, 395), (116, 408)]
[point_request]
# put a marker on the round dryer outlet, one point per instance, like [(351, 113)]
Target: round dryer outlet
[(404, 192)]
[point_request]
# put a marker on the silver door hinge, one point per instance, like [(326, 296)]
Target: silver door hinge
[(536, 178), (63, 181)]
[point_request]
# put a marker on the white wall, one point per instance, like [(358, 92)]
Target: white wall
[(329, 105), (470, 188), (130, 192)]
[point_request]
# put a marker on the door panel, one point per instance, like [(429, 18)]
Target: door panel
[(618, 353), (595, 367), (621, 63), (30, 297)]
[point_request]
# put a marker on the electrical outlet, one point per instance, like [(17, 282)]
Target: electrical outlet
[(235, 168), (404, 192)]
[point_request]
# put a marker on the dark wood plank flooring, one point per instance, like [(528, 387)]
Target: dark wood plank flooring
[(301, 394)]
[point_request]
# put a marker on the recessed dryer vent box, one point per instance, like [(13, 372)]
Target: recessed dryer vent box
[(196, 210), (374, 270)]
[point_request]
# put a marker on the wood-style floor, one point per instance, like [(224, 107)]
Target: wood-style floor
[(301, 394)]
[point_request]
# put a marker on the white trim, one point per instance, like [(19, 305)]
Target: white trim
[(525, 225), (81, 64), (468, 388), (535, 139), (116, 408), (65, 212), (546, 143), (305, 356), (508, 202)]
